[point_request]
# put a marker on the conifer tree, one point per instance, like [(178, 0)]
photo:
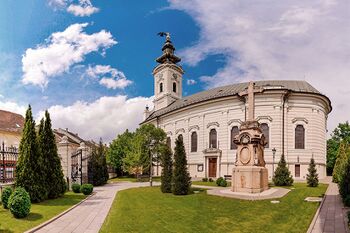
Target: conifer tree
[(167, 171), (181, 177), (344, 183), (54, 178), (312, 177), (282, 175), (339, 163), (98, 165), (30, 167)]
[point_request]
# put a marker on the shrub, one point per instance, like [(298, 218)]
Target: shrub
[(5, 196), (211, 180), (349, 219), (76, 188), (223, 183), (312, 177), (87, 189), (167, 171), (344, 183), (282, 176), (205, 179), (219, 180), (19, 203), (346, 201)]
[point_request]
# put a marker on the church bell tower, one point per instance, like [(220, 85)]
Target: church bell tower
[(167, 76)]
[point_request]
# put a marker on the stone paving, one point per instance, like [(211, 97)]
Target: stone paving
[(89, 216), (331, 217)]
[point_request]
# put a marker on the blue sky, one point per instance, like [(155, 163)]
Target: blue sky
[(90, 61)]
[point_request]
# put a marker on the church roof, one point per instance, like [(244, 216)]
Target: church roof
[(10, 121), (234, 89)]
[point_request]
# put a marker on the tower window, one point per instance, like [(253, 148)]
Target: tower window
[(161, 87), (174, 87)]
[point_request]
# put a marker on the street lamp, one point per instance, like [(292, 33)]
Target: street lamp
[(273, 161), (151, 146)]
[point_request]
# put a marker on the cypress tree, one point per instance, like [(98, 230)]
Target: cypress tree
[(98, 165), (312, 177), (340, 161), (29, 167), (344, 183), (181, 177), (54, 178), (167, 171), (282, 175)]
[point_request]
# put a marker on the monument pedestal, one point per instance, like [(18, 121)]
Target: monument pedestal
[(249, 179)]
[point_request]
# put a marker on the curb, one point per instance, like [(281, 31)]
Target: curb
[(59, 215)]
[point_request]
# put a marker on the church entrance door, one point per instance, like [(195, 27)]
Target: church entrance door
[(212, 167)]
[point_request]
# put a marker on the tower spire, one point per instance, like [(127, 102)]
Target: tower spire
[(168, 49)]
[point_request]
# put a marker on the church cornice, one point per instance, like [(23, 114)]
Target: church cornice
[(181, 130), (213, 124), (296, 119), (264, 118), (196, 127), (234, 121)]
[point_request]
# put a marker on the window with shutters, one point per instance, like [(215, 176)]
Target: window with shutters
[(194, 142), (299, 137), (266, 131), (234, 132), (213, 139)]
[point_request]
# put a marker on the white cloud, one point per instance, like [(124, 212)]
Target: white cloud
[(288, 39), (57, 3), (191, 82), (60, 51), (13, 107), (110, 77), (83, 8), (105, 117)]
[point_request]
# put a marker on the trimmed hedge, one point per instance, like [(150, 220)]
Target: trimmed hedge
[(6, 193), (19, 203), (87, 189), (76, 188)]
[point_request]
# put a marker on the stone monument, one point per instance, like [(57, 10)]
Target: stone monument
[(249, 174)]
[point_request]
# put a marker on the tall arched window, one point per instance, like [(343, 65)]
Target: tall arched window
[(160, 87), (213, 139), (174, 87), (194, 142), (266, 131), (299, 137), (168, 142), (180, 137), (234, 132)]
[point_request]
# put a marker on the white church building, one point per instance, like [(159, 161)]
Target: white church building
[(292, 115)]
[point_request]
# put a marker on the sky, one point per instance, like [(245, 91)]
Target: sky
[(90, 62)]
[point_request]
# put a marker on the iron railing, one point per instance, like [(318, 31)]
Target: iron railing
[(8, 160)]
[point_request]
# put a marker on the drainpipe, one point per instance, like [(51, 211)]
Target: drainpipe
[(285, 98)]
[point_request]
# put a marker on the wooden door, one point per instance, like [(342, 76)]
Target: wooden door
[(297, 170), (212, 167)]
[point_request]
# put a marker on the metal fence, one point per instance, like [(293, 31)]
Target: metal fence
[(8, 160)]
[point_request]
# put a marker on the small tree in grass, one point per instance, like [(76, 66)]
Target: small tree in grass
[(340, 161), (56, 185), (344, 183), (167, 171), (181, 177), (312, 177), (282, 175), (30, 168), (98, 165)]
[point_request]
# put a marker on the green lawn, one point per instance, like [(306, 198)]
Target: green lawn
[(149, 210), (39, 213)]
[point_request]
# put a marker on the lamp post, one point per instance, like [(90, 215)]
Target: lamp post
[(273, 161), (151, 146)]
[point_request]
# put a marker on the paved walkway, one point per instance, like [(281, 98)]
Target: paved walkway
[(331, 217), (89, 216)]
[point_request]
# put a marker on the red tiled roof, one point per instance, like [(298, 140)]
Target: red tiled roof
[(10, 121)]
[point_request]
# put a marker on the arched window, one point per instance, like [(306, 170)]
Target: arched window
[(266, 131), (168, 142), (234, 132), (299, 137), (174, 87), (194, 142), (213, 139), (180, 137), (160, 87)]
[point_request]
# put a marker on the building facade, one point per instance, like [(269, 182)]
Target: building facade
[(11, 126), (292, 115)]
